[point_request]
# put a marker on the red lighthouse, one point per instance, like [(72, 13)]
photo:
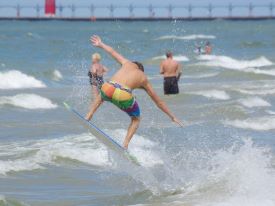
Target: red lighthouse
[(50, 7)]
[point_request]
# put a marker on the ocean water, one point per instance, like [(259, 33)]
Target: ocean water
[(224, 156)]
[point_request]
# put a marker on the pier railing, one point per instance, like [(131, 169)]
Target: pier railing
[(131, 11)]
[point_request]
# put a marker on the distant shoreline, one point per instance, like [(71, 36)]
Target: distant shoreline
[(233, 18)]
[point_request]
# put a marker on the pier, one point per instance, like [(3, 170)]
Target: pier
[(113, 12)]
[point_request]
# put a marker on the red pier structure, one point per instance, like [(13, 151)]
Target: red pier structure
[(50, 8)]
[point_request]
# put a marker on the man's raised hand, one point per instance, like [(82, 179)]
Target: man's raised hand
[(96, 41)]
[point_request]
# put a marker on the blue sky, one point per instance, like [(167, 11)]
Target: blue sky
[(241, 11)]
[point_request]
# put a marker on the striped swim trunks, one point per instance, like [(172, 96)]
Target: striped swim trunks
[(120, 96)]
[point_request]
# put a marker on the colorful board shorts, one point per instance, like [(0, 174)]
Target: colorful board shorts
[(120, 96)]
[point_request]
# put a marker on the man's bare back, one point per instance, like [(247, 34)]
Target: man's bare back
[(169, 68), (129, 75), (171, 71)]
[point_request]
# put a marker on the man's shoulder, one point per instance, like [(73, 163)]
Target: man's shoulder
[(176, 63), (164, 61)]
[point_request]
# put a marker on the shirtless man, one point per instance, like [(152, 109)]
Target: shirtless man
[(171, 71), (119, 90), (96, 73)]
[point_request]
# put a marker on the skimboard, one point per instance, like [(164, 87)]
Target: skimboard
[(102, 136)]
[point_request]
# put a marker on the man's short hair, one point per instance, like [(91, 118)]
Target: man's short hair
[(169, 54), (140, 66)]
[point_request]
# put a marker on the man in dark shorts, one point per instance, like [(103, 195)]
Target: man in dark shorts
[(119, 90), (170, 85), (171, 71)]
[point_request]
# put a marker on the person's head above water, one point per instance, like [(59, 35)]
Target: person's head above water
[(140, 66), (96, 57), (169, 54), (207, 43)]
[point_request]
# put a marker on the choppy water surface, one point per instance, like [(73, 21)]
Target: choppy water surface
[(223, 156)]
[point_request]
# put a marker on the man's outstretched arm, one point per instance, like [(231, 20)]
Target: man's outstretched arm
[(96, 41), (150, 91)]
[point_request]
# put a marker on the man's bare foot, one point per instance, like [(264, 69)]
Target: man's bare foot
[(125, 146)]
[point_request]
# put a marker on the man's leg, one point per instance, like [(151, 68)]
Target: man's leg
[(98, 101), (131, 131)]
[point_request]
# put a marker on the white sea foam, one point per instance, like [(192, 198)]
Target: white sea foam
[(83, 148), (140, 147), (18, 165), (270, 112), (258, 123), (57, 75), (241, 175), (270, 72), (179, 58), (213, 94), (243, 65), (17, 80), (244, 176), (261, 91), (187, 37), (28, 101), (254, 102), (200, 76), (32, 155), (159, 57), (34, 35)]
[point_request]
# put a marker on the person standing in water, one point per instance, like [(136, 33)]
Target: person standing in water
[(171, 71), (96, 73), (208, 48), (119, 90)]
